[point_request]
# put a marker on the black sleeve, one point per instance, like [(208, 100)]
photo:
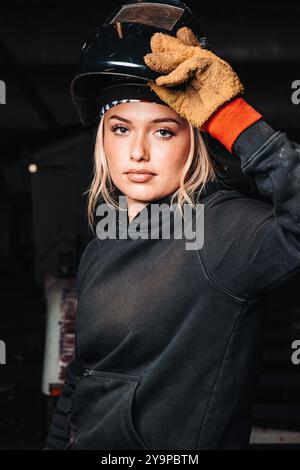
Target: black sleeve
[(58, 435), (255, 245)]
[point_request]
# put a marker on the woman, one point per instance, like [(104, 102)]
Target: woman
[(168, 338)]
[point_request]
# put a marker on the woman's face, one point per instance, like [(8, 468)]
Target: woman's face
[(145, 137)]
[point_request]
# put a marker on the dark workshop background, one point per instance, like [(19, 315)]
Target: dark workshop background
[(43, 226)]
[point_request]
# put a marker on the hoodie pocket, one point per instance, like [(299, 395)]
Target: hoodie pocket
[(101, 413)]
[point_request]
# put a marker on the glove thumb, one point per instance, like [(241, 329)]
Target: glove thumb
[(187, 37)]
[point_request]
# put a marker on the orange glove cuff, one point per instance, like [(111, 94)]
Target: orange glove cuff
[(229, 121)]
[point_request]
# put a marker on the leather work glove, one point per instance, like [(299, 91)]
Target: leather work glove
[(205, 81)]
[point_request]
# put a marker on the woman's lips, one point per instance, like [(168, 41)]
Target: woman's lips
[(140, 177)]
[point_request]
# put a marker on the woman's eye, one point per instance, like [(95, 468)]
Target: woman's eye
[(120, 129), (165, 133)]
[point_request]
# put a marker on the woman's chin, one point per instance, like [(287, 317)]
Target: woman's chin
[(142, 194)]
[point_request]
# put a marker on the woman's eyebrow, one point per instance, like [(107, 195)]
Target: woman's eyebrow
[(166, 119)]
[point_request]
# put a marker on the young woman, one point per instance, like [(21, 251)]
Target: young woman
[(168, 338)]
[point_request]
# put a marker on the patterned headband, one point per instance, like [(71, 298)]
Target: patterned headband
[(110, 105)]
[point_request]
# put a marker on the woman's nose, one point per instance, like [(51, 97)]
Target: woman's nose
[(139, 149)]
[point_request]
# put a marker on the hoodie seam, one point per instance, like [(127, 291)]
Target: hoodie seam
[(219, 287)]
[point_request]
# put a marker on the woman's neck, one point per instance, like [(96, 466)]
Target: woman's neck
[(134, 207)]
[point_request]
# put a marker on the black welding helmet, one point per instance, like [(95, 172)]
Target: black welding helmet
[(111, 67), (113, 54)]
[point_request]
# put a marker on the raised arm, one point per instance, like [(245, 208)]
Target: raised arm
[(262, 241)]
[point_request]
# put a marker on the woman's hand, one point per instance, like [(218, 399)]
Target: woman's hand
[(205, 81)]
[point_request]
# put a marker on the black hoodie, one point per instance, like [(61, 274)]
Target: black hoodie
[(168, 343)]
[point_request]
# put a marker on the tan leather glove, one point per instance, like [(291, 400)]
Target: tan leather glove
[(205, 81)]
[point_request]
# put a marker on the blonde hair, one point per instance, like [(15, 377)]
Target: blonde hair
[(198, 170)]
